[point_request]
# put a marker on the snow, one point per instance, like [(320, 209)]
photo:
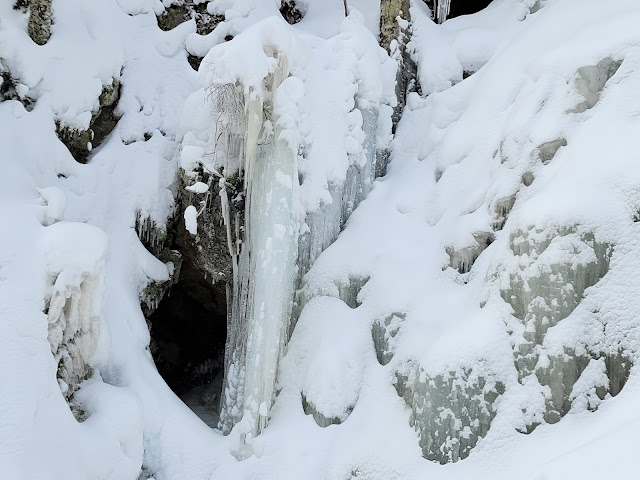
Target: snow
[(191, 219), (556, 286), (198, 188)]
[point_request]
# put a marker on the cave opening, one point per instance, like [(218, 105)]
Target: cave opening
[(458, 8), (188, 335), (467, 7)]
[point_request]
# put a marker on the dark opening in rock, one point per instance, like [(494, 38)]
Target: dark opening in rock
[(459, 7), (466, 7), (188, 334)]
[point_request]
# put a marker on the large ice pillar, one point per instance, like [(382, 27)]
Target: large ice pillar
[(262, 294), (280, 241)]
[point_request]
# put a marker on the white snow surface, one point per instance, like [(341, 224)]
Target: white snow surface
[(456, 154)]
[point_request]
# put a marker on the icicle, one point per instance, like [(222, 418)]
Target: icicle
[(224, 203), (254, 125), (260, 315), (442, 10)]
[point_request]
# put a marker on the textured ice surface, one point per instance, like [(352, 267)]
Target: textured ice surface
[(73, 299), (552, 270), (262, 297), (450, 411)]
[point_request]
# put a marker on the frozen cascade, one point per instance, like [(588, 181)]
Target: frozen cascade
[(260, 310), (326, 224), (280, 202), (260, 321)]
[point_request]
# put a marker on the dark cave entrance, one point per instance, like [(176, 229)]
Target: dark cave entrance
[(461, 7), (188, 335), (467, 7)]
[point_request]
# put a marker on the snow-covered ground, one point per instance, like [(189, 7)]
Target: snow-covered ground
[(481, 301)]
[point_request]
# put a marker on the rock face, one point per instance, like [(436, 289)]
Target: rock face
[(209, 248), (8, 89), (290, 12), (40, 21), (395, 33), (103, 120), (592, 79), (184, 11)]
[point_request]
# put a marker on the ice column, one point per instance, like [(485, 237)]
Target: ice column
[(262, 295), (443, 7)]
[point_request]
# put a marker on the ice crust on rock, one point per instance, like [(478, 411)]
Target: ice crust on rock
[(450, 411), (552, 270)]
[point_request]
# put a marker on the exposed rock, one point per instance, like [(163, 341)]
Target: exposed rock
[(22, 5), (395, 33), (548, 150), (184, 11), (291, 12), (40, 21), (591, 81), (9, 90), (209, 249), (536, 6), (384, 334), (103, 120), (152, 236), (450, 411), (462, 259), (154, 292), (527, 179), (502, 207), (321, 420), (194, 61)]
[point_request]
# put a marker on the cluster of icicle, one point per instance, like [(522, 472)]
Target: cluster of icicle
[(149, 233), (442, 9)]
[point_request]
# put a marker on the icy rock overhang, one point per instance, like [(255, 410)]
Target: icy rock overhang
[(75, 271)]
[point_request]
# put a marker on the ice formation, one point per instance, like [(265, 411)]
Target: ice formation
[(294, 206), (74, 298), (442, 10), (475, 306)]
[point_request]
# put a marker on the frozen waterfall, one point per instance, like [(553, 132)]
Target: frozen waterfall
[(260, 310)]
